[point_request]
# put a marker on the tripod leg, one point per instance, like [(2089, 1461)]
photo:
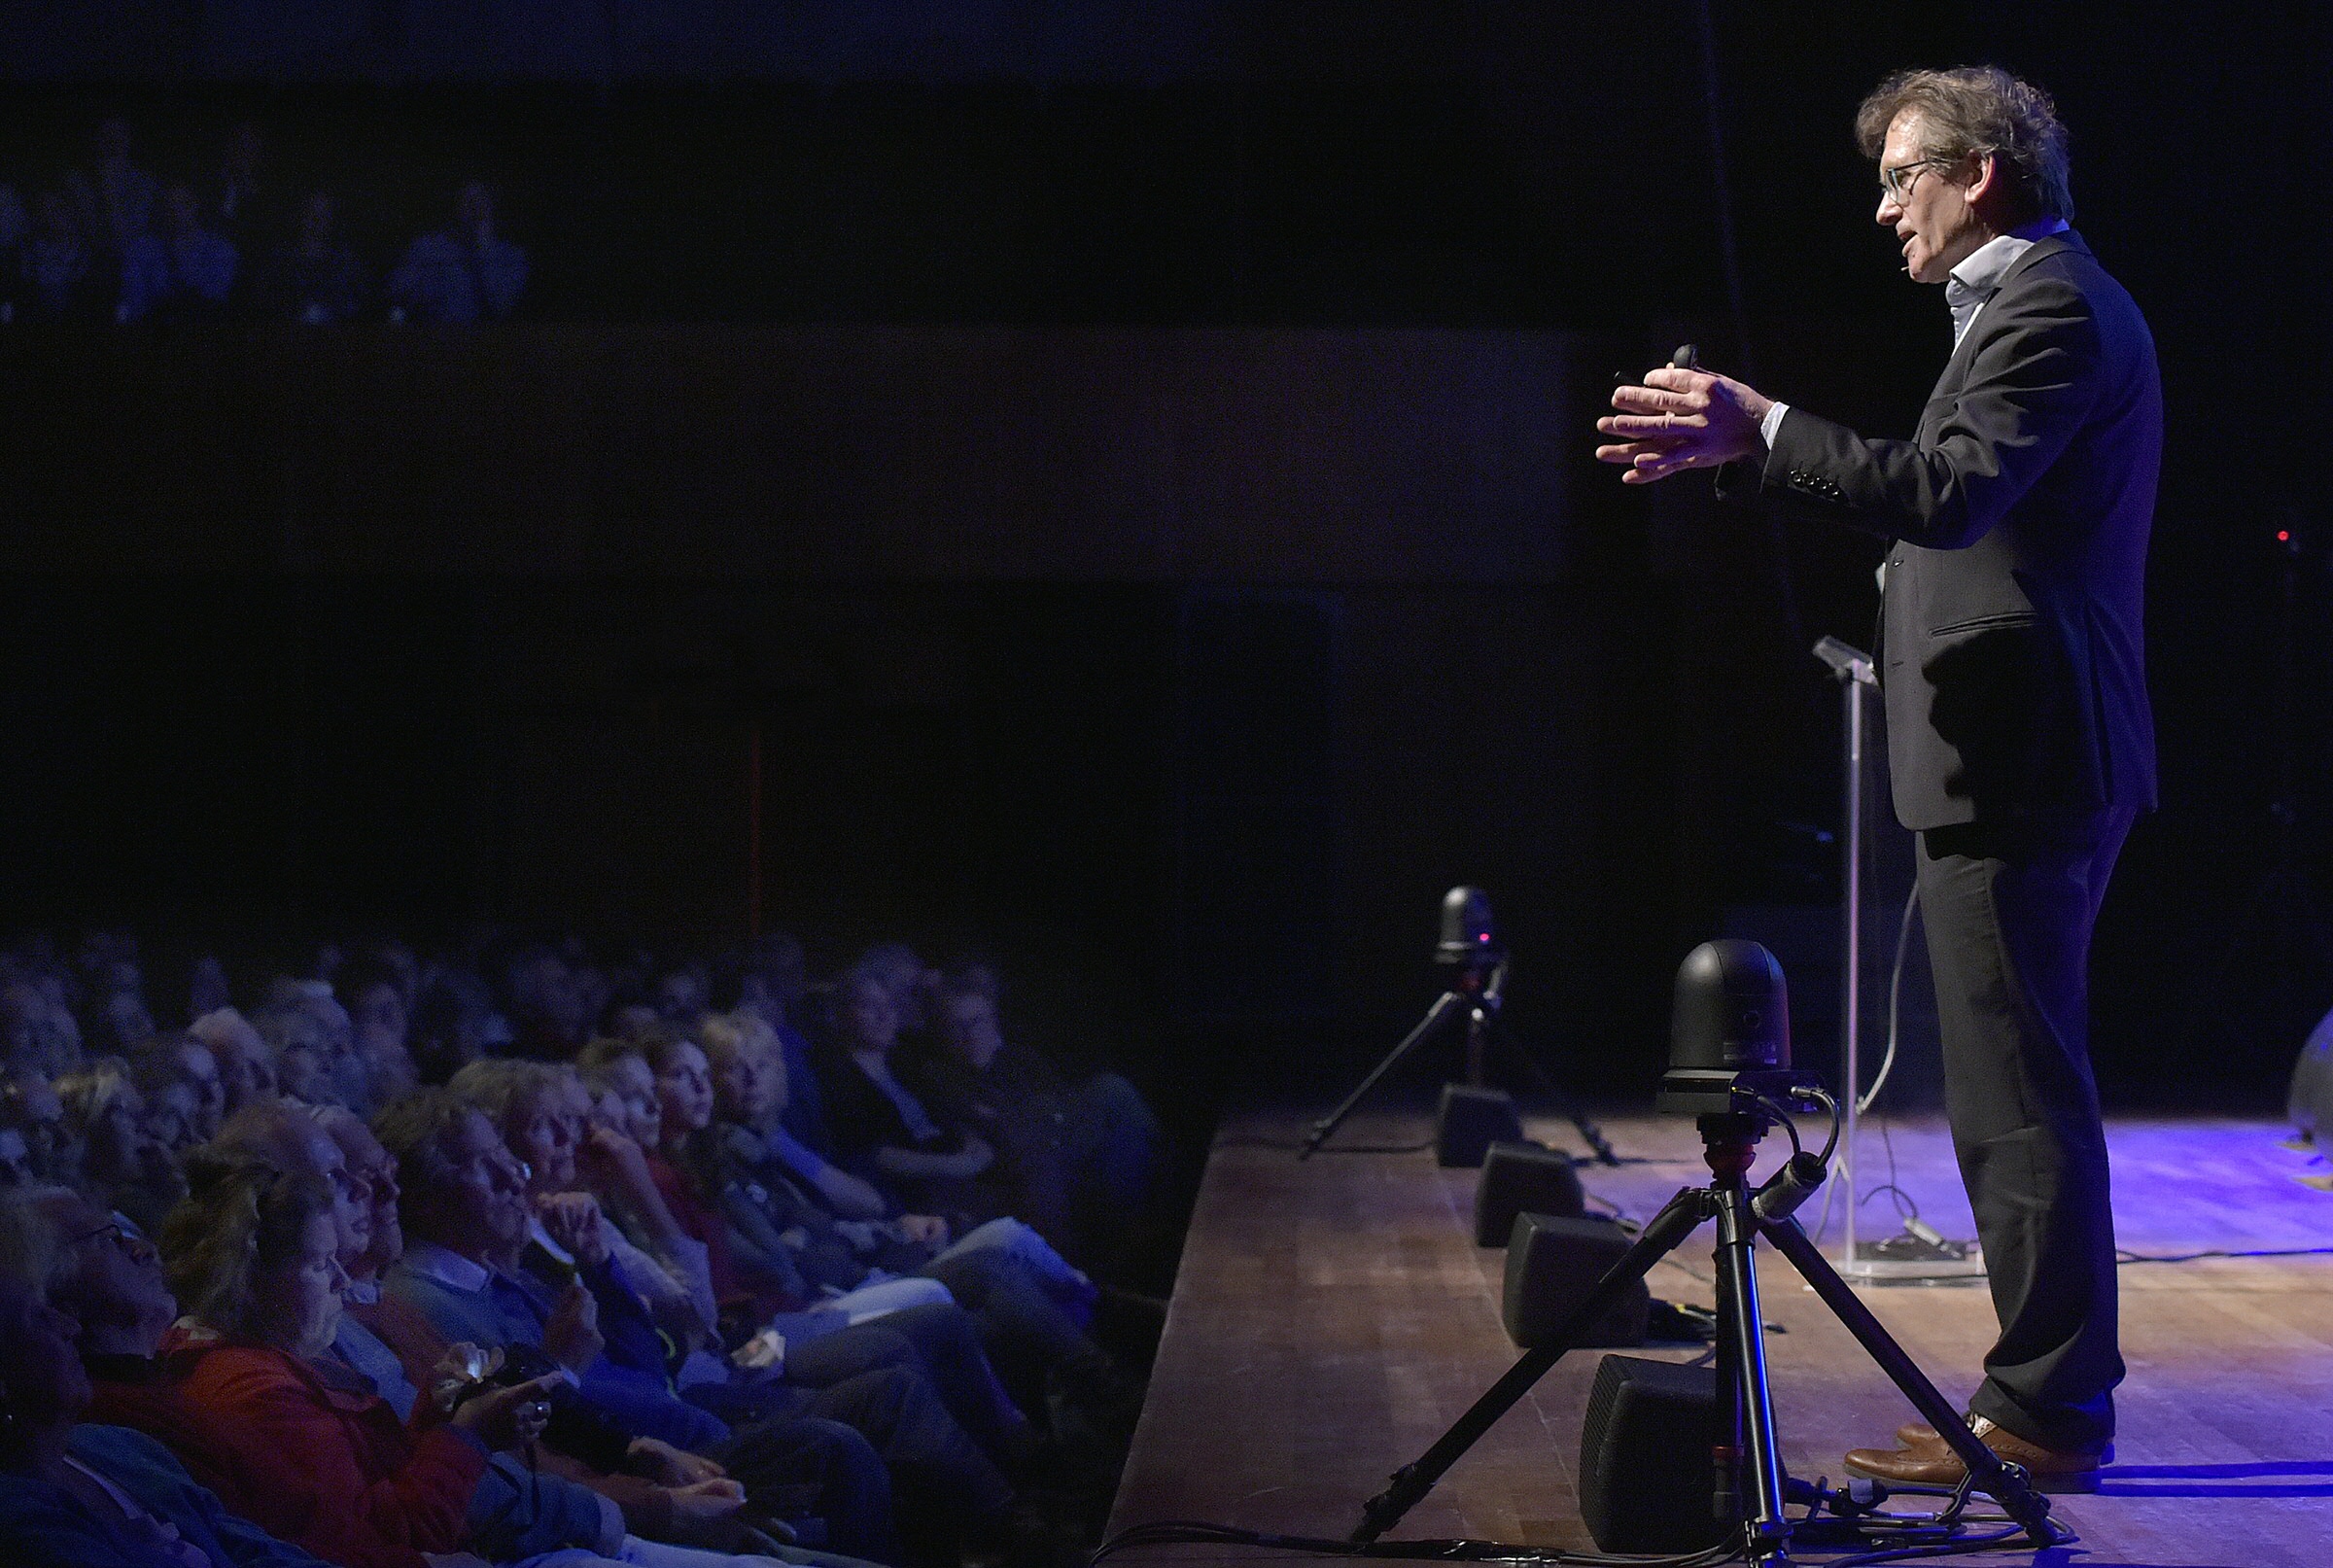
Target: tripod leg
[(1410, 1483), (1449, 1002), (1767, 1532), (1589, 1134), (2006, 1483)]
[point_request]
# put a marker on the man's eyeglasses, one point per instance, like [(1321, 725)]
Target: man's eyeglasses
[(137, 1246), (1896, 187)]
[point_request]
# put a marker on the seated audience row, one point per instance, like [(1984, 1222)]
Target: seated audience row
[(112, 242), (438, 1263)]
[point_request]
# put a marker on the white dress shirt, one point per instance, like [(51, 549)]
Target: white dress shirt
[(1973, 282)]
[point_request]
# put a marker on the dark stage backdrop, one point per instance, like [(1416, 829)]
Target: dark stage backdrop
[(1131, 466)]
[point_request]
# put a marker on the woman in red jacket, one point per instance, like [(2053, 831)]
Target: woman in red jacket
[(254, 1257)]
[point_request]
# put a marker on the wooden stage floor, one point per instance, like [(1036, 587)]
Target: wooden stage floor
[(1333, 1317)]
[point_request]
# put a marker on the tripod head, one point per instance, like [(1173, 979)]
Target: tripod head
[(1729, 1037), (1470, 937)]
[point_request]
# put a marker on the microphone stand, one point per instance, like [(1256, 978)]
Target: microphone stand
[(1852, 668)]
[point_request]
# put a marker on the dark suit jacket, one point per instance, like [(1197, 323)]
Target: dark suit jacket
[(2011, 653)]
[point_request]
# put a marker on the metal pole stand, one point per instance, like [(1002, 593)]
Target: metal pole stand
[(1754, 1472), (1858, 682)]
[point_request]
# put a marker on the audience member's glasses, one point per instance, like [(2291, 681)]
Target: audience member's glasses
[(136, 1246), (1895, 188)]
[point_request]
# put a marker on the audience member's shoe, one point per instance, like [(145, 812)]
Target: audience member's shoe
[(1933, 1463)]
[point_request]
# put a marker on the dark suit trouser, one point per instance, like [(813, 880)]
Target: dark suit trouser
[(2010, 912)]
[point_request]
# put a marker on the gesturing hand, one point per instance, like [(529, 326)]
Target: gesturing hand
[(669, 1466), (703, 1509), (509, 1417), (925, 1229), (608, 1153), (572, 1338), (574, 1222), (1679, 420)]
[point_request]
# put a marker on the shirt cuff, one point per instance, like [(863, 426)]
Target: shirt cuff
[(1772, 423)]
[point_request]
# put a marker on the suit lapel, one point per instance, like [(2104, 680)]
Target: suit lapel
[(1956, 369)]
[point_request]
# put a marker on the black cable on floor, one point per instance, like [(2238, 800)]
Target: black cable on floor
[(2192, 1257)]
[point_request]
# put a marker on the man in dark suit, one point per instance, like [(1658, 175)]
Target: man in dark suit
[(2020, 743)]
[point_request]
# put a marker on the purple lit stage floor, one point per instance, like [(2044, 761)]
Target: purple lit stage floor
[(1333, 1317)]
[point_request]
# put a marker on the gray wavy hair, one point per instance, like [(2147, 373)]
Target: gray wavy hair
[(1977, 109)]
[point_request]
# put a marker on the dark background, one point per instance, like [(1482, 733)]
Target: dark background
[(1128, 463)]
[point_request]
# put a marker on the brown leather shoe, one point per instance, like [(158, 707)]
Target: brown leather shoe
[(1920, 1435), (1934, 1464)]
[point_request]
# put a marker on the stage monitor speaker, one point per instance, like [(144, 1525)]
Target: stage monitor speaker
[(1647, 1467), (1552, 1263), (2311, 1102), (1522, 1178), (1472, 1118)]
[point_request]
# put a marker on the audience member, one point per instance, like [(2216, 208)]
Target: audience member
[(30, 1107), (728, 1330), (176, 270), (15, 231), (465, 1215), (21, 1006), (465, 273), (122, 1165), (448, 1027), (113, 198), (181, 1058), (545, 1009), (207, 989), (89, 1496), (240, 203), (246, 1064), (62, 279), (301, 1046), (1029, 1307), (377, 1029), (1092, 1147), (879, 1122), (253, 1256), (312, 276)]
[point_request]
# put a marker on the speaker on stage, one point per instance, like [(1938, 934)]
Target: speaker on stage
[(1552, 1263), (1522, 1178), (1471, 1119), (1646, 1471)]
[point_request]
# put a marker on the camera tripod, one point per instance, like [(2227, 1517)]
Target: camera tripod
[(1476, 992), (1749, 1474)]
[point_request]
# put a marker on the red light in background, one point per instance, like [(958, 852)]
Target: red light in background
[(2284, 536)]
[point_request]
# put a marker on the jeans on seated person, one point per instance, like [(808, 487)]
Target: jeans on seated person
[(1065, 1284), (935, 1345), (868, 1302), (643, 1403), (516, 1512)]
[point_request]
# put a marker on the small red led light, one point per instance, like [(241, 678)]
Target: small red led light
[(2284, 536)]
